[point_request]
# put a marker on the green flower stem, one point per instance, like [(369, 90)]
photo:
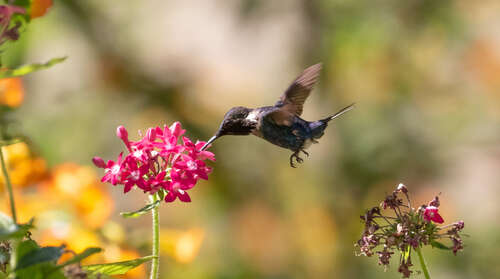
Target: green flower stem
[(9, 186), (155, 263), (423, 264)]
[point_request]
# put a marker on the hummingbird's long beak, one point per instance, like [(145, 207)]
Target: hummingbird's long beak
[(209, 142)]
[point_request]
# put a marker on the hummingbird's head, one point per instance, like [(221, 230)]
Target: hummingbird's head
[(235, 123)]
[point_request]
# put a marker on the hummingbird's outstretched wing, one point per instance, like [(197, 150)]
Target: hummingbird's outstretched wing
[(291, 102), (294, 97)]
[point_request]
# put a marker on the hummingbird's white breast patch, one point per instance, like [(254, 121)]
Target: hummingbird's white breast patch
[(252, 116)]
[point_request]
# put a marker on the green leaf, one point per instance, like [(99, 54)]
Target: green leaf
[(116, 268), (22, 3), (45, 270), (49, 274), (99, 276), (439, 245), (141, 211), (79, 257), (42, 255), (26, 69), (9, 230), (41, 269), (25, 247)]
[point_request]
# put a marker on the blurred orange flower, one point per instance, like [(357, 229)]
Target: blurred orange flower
[(39, 7), (28, 205), (183, 246), (113, 232), (24, 168), (94, 206), (11, 92), (80, 185), (70, 179)]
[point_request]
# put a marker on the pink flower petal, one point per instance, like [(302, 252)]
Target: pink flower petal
[(183, 196), (431, 214), (437, 218), (170, 197), (151, 134), (176, 129), (128, 186)]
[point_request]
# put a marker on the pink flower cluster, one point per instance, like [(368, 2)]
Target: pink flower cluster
[(158, 161)]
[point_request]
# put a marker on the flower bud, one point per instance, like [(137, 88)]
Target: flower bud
[(372, 229), (391, 240), (122, 133), (435, 202), (12, 33), (99, 162), (399, 229), (176, 129), (375, 210), (402, 188), (459, 225), (457, 245), (405, 270)]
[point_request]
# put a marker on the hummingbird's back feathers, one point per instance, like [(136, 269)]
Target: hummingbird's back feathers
[(291, 136), (294, 97), (280, 116)]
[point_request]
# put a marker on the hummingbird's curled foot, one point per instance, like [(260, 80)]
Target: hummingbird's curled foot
[(307, 154), (295, 156)]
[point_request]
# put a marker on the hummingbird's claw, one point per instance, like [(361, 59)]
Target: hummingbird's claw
[(291, 161), (307, 154), (295, 156)]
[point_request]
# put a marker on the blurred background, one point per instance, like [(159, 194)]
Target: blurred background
[(425, 76)]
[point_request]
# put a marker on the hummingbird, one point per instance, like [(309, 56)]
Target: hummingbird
[(281, 124)]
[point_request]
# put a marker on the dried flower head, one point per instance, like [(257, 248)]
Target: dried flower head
[(160, 161), (9, 29), (405, 229)]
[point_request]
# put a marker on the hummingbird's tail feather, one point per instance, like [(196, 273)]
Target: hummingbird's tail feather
[(339, 113)]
